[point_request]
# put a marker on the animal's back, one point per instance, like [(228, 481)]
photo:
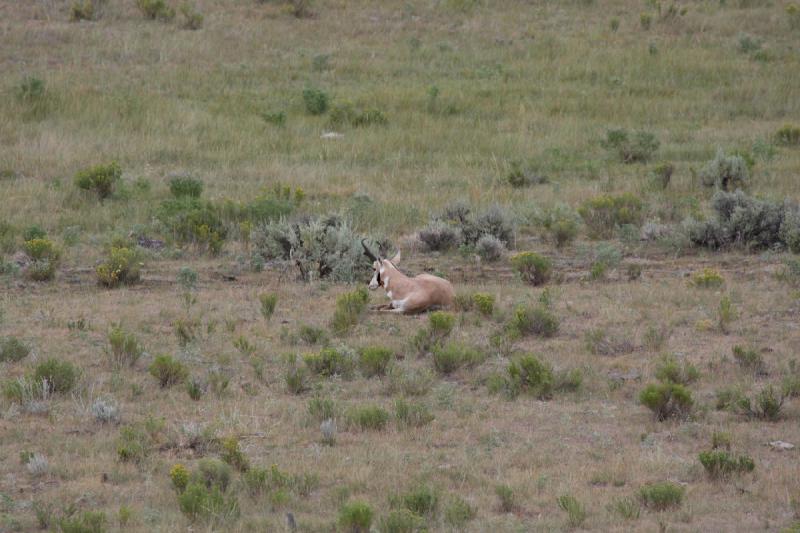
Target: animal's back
[(441, 288)]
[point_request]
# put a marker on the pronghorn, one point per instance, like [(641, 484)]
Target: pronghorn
[(408, 295)]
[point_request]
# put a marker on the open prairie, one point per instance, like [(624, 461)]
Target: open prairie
[(187, 342)]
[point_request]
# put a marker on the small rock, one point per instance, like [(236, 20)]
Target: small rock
[(331, 135), (780, 445)]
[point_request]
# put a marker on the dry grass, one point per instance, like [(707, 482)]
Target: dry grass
[(538, 83)]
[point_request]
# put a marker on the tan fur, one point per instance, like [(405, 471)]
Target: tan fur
[(413, 295)]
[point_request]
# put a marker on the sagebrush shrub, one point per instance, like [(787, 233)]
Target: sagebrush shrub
[(401, 521), (633, 147), (199, 502), (506, 497), (85, 9), (489, 248), (346, 114), (495, 221), (316, 100), (725, 172), (137, 441), (520, 175), (749, 359), (533, 268), (373, 360), (12, 350), (440, 236), (350, 307), (168, 371), (767, 404), (484, 303), (105, 410), (355, 517), (720, 464), (745, 221), (193, 221), (603, 214), (662, 496), (185, 186), (458, 512), (296, 379), (321, 248), (101, 179), (421, 500), (121, 267), (667, 400), (321, 409), (83, 522), (192, 19)]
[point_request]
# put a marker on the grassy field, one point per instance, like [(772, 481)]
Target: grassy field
[(503, 106)]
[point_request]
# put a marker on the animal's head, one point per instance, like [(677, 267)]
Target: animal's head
[(379, 266)]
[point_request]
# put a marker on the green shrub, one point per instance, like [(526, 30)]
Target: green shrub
[(726, 172), (124, 350), (196, 388), (767, 404), (575, 511), (722, 464), (441, 323), (410, 382), (168, 371), (350, 306), (179, 475), (450, 357), (669, 370), (421, 500), (458, 512), (627, 508), (85, 522), (232, 454), (661, 496), (321, 409), (192, 19), (316, 100), (135, 442), (520, 175), (561, 224), (412, 414), (788, 135), (708, 278), (631, 147), (484, 303), (355, 517), (268, 303), (13, 350), (667, 400), (401, 521), (121, 267), (199, 502), (31, 89), (312, 334), (568, 380), (373, 360), (603, 214), (193, 221), (533, 320), (45, 258), (749, 360), (330, 361), (530, 376), (185, 187), (662, 174), (505, 495), (370, 417), (60, 376), (296, 379), (101, 179), (155, 10), (347, 114), (85, 10), (533, 268)]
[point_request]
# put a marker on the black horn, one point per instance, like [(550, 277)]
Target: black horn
[(367, 251)]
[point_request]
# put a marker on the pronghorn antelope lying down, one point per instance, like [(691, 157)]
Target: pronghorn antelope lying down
[(408, 295)]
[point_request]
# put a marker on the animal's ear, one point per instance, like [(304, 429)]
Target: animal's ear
[(396, 258)]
